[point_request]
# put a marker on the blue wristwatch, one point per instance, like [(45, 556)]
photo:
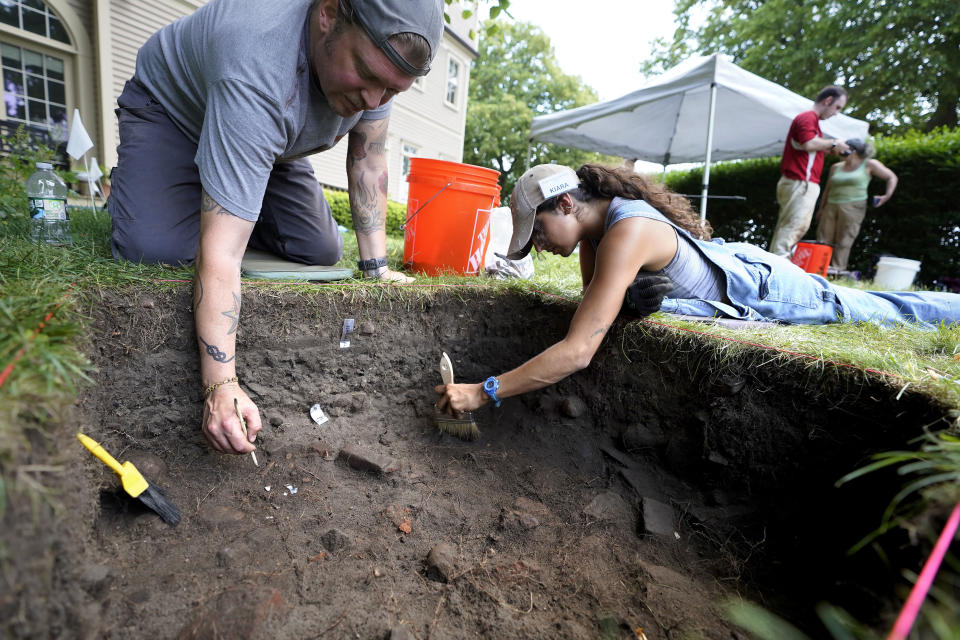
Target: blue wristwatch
[(491, 385)]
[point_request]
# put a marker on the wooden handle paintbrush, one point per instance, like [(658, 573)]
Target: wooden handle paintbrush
[(133, 482), (463, 427)]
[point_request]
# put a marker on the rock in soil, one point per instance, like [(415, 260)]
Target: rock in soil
[(364, 460), (572, 407), (658, 518), (442, 562)]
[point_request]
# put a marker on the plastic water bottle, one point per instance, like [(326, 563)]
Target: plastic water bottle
[(47, 194)]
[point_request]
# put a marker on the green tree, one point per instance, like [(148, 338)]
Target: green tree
[(515, 78), (900, 61)]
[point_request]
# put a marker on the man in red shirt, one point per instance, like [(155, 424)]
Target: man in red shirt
[(800, 167)]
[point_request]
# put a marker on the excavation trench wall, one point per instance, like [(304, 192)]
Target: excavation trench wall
[(643, 491)]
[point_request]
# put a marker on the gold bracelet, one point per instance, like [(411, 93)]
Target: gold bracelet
[(213, 387)]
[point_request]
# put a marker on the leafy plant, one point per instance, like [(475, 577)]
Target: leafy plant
[(22, 155)]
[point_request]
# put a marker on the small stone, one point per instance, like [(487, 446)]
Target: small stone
[(276, 421), (639, 436), (335, 540), (441, 562), (366, 328), (148, 303), (527, 521), (364, 460), (257, 389), (658, 518), (609, 507), (572, 407), (717, 458), (358, 401)]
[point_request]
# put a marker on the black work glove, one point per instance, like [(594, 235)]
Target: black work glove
[(644, 296)]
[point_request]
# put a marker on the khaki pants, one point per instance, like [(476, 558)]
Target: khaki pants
[(797, 199), (839, 225)]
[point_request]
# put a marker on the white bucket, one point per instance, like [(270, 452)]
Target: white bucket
[(896, 273)]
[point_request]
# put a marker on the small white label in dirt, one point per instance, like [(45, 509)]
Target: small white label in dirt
[(554, 185), (345, 334), (317, 414), (292, 489)]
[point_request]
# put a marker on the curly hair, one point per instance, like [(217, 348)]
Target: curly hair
[(598, 181)]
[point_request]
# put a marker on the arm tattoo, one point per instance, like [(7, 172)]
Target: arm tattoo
[(356, 148), (600, 331), (366, 205), (208, 204), (233, 314), (214, 352)]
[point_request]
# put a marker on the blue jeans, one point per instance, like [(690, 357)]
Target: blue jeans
[(886, 308)]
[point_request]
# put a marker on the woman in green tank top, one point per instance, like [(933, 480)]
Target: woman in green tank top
[(843, 204)]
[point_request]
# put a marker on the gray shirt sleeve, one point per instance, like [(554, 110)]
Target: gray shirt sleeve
[(243, 134)]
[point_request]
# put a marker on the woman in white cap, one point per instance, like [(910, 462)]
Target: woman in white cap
[(843, 204), (635, 234)]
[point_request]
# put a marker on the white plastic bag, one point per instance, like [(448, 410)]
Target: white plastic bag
[(501, 228)]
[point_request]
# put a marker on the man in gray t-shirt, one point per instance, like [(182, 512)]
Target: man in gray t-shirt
[(214, 129)]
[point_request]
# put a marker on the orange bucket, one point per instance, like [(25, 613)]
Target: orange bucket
[(813, 257), (448, 216)]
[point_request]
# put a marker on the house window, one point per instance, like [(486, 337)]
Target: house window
[(33, 87), (409, 151), (33, 16), (453, 81)]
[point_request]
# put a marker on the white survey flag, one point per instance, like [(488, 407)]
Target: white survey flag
[(79, 142), (94, 172)]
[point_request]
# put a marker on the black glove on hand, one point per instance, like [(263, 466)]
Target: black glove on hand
[(644, 296)]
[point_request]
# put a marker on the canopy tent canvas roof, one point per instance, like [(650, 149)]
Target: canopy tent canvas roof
[(704, 109), (666, 120)]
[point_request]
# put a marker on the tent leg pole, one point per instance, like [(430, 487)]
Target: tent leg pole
[(706, 162)]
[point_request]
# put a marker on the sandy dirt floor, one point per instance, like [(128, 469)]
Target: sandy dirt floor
[(635, 497)]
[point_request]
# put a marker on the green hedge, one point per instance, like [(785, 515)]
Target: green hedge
[(920, 222), (340, 206)]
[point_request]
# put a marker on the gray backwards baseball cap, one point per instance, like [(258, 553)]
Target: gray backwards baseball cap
[(383, 19), (535, 186)]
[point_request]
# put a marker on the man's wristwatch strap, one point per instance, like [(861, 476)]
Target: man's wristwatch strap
[(372, 264)]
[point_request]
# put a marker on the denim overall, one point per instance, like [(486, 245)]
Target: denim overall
[(765, 287)]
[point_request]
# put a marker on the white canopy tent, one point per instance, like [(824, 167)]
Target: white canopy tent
[(671, 119)]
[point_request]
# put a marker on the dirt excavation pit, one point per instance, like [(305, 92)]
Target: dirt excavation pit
[(641, 493)]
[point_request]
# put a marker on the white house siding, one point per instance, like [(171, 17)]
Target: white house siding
[(129, 24)]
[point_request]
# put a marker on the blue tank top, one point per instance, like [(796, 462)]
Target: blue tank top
[(693, 275)]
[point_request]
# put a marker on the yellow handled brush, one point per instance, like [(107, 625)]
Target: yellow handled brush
[(462, 425), (133, 482)]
